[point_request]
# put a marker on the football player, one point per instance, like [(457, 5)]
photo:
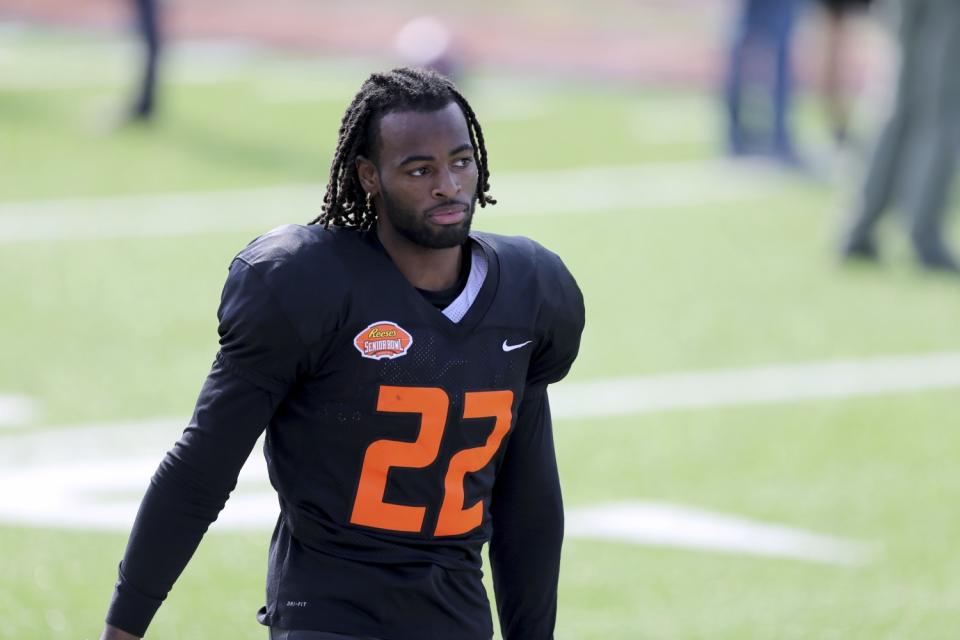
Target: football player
[(399, 363)]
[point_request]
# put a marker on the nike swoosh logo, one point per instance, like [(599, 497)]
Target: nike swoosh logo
[(511, 347)]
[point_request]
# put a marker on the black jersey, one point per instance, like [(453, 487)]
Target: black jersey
[(398, 441)]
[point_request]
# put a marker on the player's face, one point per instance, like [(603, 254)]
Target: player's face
[(428, 176)]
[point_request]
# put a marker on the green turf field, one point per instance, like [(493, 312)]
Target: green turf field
[(98, 330)]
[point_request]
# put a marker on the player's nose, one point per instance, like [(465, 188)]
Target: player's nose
[(447, 184)]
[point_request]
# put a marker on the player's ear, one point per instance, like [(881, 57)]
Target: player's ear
[(367, 173)]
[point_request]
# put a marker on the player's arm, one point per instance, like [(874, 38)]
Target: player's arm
[(258, 361), (527, 507), (527, 513)]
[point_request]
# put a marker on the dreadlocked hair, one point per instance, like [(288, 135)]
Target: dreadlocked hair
[(345, 202)]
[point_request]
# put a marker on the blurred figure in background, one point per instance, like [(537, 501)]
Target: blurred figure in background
[(760, 62), (916, 152), (426, 42), (838, 15), (143, 105)]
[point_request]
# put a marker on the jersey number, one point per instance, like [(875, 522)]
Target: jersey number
[(369, 508)]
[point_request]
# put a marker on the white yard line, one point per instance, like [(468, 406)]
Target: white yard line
[(761, 385), (104, 495), (28, 65), (660, 524), (16, 410), (61, 445), (91, 476), (585, 191), (606, 397)]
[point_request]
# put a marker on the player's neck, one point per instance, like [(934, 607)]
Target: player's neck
[(424, 268)]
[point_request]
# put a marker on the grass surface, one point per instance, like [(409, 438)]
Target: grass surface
[(108, 329)]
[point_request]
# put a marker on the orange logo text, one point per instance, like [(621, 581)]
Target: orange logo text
[(383, 340)]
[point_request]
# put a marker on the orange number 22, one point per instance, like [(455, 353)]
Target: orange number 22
[(369, 508)]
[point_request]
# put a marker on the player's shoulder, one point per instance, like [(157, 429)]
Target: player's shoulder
[(302, 270), (292, 255), (292, 245), (511, 247), (539, 284), (523, 258)]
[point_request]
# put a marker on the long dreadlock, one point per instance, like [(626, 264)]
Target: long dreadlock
[(345, 203)]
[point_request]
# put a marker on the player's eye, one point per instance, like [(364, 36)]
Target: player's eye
[(463, 162), (419, 171)]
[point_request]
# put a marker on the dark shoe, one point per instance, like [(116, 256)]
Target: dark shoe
[(859, 250), (940, 261)]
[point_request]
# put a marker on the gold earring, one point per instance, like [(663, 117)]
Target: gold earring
[(369, 203)]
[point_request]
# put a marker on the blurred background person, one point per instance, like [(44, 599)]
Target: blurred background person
[(143, 105), (427, 42), (915, 155), (606, 118), (760, 63), (838, 14)]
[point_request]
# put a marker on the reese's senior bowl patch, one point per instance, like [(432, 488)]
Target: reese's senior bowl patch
[(383, 339)]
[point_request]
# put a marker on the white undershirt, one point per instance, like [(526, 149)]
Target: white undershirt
[(478, 273)]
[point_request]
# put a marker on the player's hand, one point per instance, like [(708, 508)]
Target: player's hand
[(112, 633)]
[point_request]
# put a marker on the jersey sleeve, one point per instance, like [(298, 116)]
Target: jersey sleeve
[(527, 513), (259, 359), (562, 318), (257, 341)]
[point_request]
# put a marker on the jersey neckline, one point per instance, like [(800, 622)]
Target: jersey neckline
[(477, 310)]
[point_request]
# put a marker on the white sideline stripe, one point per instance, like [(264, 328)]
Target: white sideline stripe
[(623, 396), (77, 495), (585, 191), (88, 441), (579, 400), (65, 477), (761, 385), (660, 524), (16, 410), (26, 66), (113, 76)]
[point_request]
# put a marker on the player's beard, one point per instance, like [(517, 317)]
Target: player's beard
[(415, 226)]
